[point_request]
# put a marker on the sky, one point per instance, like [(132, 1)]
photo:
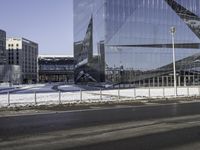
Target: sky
[(47, 22)]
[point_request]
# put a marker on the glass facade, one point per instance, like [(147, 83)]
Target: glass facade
[(56, 69), (130, 41)]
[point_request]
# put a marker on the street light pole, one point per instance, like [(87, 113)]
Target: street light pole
[(173, 31)]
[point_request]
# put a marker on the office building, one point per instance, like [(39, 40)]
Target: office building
[(129, 41), (8, 73), (2, 47), (56, 69), (24, 53)]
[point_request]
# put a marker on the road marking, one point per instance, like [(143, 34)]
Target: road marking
[(97, 134)]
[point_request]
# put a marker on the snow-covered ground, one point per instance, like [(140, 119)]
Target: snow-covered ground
[(39, 88), (5, 88), (69, 88), (45, 95), (48, 98), (21, 89)]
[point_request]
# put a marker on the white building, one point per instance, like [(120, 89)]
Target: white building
[(24, 53)]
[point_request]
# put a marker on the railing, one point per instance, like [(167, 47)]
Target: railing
[(82, 96)]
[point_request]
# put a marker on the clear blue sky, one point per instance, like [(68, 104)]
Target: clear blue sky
[(48, 22)]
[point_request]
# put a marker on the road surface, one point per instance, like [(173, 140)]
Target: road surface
[(133, 127)]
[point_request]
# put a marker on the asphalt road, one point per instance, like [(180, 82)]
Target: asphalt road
[(44, 123), (183, 139)]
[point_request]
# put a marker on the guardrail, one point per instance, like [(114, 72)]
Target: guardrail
[(12, 100)]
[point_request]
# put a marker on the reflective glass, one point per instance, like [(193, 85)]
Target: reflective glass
[(133, 39)]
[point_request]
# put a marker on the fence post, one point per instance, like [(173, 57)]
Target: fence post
[(60, 98), (81, 96), (35, 94), (101, 94), (163, 92), (188, 91), (135, 96), (118, 93), (149, 92), (8, 98)]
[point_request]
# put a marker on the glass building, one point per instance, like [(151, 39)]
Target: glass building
[(129, 41), (56, 69)]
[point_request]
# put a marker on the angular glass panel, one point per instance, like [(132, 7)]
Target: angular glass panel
[(132, 41), (192, 20)]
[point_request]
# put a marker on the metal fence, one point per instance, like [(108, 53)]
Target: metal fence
[(83, 96)]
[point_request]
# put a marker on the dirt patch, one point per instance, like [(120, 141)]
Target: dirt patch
[(92, 105), (79, 106)]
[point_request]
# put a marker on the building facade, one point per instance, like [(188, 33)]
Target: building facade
[(8, 73), (129, 41), (24, 53), (2, 47), (56, 69)]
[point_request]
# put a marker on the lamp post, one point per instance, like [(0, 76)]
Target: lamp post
[(173, 31)]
